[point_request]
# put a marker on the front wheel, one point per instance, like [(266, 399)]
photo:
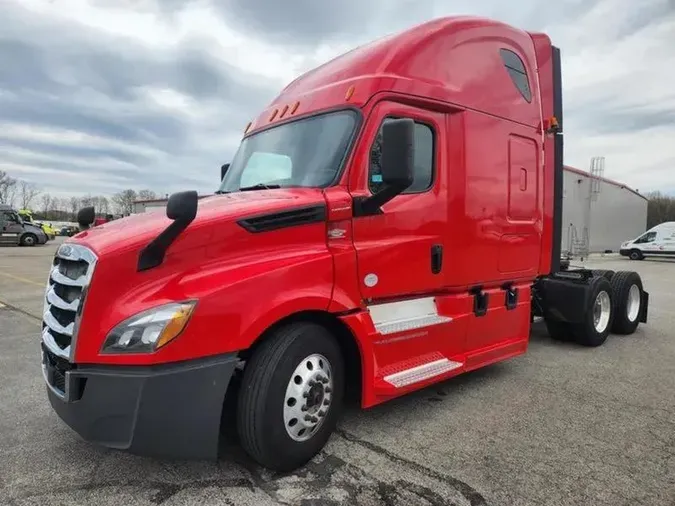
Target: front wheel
[(291, 396), (636, 254), (29, 240)]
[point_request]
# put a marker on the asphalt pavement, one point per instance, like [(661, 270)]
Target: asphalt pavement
[(561, 425)]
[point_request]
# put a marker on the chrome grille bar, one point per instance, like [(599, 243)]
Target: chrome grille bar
[(59, 278), (54, 324), (55, 300), (59, 336)]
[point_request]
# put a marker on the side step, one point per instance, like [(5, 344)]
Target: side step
[(421, 372), (405, 315)]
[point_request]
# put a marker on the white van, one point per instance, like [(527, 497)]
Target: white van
[(659, 240)]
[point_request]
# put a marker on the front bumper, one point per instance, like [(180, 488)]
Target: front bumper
[(167, 411), (624, 252)]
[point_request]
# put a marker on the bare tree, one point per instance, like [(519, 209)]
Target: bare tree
[(124, 201), (27, 193), (147, 195), (46, 204), (95, 203), (660, 208), (7, 188), (86, 201), (103, 205), (74, 205)]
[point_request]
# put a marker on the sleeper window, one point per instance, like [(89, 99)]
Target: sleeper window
[(423, 173), (516, 69)]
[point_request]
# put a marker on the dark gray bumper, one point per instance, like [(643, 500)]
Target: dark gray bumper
[(168, 411)]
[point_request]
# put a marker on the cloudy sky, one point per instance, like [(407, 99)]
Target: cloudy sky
[(101, 95)]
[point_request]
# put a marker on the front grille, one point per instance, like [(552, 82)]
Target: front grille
[(69, 277)]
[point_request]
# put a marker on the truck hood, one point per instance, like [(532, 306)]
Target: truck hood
[(138, 230), (32, 228)]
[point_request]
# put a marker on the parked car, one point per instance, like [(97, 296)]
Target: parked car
[(68, 231)]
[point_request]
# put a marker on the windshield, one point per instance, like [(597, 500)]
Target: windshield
[(307, 152)]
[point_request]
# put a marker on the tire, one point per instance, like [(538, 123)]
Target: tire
[(560, 331), (29, 240), (264, 422), (636, 254), (627, 301), (591, 332), (603, 273)]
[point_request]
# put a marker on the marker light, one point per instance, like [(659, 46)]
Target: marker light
[(274, 114), (149, 330), (349, 93), (295, 107), (283, 111)]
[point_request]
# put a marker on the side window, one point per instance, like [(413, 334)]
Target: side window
[(649, 237), (9, 217), (423, 174), (516, 69)]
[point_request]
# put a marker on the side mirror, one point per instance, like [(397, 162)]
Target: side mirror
[(398, 153), (397, 158), (182, 206), (223, 170), (182, 209), (85, 217)]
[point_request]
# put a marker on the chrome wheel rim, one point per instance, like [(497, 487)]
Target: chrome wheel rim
[(602, 310), (308, 397), (633, 306), (28, 241)]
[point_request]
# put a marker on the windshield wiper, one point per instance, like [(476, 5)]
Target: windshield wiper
[(259, 186)]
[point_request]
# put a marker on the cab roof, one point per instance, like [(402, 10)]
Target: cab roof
[(457, 60)]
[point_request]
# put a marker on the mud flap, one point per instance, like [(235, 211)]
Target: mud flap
[(644, 307)]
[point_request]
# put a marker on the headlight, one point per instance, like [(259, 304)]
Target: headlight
[(148, 331)]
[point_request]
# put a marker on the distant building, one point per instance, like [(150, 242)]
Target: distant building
[(599, 217), (142, 206)]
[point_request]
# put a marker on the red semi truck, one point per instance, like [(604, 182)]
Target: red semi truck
[(391, 220)]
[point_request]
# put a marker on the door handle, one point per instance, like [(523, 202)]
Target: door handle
[(436, 258)]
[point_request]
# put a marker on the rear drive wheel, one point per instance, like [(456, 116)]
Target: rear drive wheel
[(291, 396), (627, 301), (28, 240), (603, 273), (597, 320), (636, 254)]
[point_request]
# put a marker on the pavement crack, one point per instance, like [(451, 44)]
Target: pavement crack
[(163, 491), (19, 310), (468, 492)]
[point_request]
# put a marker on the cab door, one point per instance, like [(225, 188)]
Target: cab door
[(401, 248), (10, 228)]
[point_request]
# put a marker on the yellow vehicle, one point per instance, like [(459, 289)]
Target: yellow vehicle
[(27, 216)]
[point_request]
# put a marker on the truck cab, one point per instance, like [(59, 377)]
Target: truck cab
[(14, 231), (392, 219)]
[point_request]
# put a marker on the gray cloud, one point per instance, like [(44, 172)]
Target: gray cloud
[(62, 76), (76, 79)]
